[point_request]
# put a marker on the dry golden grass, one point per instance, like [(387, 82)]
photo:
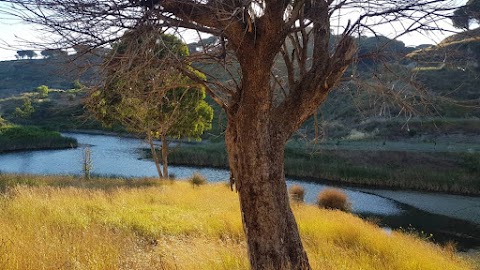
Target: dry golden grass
[(332, 198), (175, 226)]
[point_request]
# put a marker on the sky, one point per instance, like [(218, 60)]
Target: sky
[(16, 35)]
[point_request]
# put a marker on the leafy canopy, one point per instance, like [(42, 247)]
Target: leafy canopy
[(145, 94)]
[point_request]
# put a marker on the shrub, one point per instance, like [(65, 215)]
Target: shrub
[(42, 90), (332, 198), (297, 193), (197, 180)]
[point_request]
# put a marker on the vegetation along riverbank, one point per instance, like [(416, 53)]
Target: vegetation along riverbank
[(449, 172), (146, 224), (19, 138)]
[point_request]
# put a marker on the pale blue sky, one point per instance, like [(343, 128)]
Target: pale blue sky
[(15, 35)]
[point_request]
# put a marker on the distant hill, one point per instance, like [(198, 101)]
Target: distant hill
[(380, 91), (19, 76), (452, 68)]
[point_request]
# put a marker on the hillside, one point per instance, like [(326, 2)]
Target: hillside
[(24, 75), (392, 91), (452, 68), (147, 224)]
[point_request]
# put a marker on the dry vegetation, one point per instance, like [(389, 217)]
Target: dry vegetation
[(69, 223), (331, 198), (297, 193)]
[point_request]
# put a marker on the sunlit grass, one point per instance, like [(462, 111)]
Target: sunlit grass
[(165, 225)]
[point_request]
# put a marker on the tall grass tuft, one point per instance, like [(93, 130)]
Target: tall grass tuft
[(197, 180), (297, 193), (331, 198)]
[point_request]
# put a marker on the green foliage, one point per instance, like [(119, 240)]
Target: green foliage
[(26, 110), (14, 138), (155, 100), (77, 85), (42, 90)]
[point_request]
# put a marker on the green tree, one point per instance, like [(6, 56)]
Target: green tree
[(26, 110), (42, 90), (153, 100)]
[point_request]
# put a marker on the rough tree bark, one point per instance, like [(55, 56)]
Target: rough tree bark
[(255, 146), (165, 155)]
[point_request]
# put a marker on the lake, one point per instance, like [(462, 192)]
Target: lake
[(118, 156)]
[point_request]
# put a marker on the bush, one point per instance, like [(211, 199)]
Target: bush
[(43, 90), (297, 193), (197, 180), (332, 198)]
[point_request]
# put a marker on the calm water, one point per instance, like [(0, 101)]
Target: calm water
[(121, 157)]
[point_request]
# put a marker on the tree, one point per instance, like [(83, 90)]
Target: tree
[(463, 16), (148, 96), (26, 53), (53, 53), (263, 107), (42, 90), (26, 110)]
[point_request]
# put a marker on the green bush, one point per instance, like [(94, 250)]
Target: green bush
[(42, 90)]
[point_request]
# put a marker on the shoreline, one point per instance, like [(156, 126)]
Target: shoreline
[(339, 168), (455, 206), (212, 160)]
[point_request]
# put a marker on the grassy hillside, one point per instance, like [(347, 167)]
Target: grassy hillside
[(70, 223)]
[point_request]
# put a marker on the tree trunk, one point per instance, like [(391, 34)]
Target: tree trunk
[(154, 154), (165, 156), (270, 228), (256, 144)]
